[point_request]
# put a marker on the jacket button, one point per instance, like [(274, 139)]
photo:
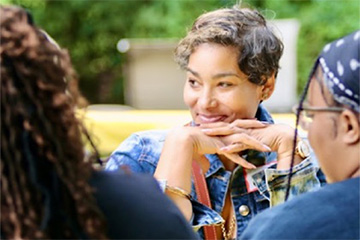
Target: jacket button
[(244, 210)]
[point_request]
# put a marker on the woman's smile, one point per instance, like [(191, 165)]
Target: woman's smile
[(206, 118)]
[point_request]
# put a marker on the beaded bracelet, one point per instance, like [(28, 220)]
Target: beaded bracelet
[(178, 191)]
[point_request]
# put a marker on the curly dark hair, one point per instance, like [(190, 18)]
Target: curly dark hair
[(44, 178), (247, 30)]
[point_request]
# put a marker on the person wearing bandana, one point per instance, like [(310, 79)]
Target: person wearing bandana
[(329, 110)]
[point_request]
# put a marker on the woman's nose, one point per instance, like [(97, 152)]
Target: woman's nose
[(208, 100)]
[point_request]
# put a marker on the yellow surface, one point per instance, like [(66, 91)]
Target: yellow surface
[(108, 127)]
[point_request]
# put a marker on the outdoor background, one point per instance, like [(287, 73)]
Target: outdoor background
[(91, 29)]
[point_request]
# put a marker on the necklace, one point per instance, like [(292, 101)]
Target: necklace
[(227, 235)]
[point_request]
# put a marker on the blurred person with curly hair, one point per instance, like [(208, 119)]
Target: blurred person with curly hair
[(48, 188)]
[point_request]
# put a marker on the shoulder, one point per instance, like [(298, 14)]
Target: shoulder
[(144, 139), (133, 201), (140, 147), (312, 215), (155, 135)]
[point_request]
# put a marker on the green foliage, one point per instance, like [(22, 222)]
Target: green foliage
[(90, 29), (323, 22), (169, 19)]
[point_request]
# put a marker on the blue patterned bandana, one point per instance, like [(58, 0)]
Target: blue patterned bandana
[(340, 63)]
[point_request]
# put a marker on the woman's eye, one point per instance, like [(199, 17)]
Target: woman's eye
[(193, 83), (225, 84)]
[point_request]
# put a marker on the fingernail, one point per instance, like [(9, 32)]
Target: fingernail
[(224, 148), (252, 166), (206, 130), (193, 124), (267, 147), (265, 123)]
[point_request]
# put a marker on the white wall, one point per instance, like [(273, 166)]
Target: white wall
[(284, 96)]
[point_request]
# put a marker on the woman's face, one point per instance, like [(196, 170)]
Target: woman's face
[(216, 89)]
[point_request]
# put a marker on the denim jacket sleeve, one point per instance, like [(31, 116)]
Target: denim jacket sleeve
[(204, 216), (306, 177), (140, 153)]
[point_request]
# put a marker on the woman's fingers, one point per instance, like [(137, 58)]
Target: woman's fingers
[(243, 123), (238, 126), (249, 123), (239, 147), (239, 160), (213, 125), (221, 131), (241, 141)]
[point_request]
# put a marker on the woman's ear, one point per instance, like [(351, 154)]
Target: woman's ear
[(349, 127), (268, 88)]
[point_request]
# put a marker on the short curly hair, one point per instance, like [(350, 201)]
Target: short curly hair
[(243, 28)]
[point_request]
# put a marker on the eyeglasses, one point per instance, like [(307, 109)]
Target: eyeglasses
[(306, 114)]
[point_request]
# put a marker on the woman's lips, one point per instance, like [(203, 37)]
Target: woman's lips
[(210, 118)]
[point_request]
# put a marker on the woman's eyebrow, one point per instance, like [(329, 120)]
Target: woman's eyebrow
[(192, 72), (226, 74), (216, 76)]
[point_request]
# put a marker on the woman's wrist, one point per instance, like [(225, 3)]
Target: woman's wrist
[(175, 160), (185, 138), (285, 163)]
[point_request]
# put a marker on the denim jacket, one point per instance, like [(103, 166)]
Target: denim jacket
[(251, 190)]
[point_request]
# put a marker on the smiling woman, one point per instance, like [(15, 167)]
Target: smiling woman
[(231, 57)]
